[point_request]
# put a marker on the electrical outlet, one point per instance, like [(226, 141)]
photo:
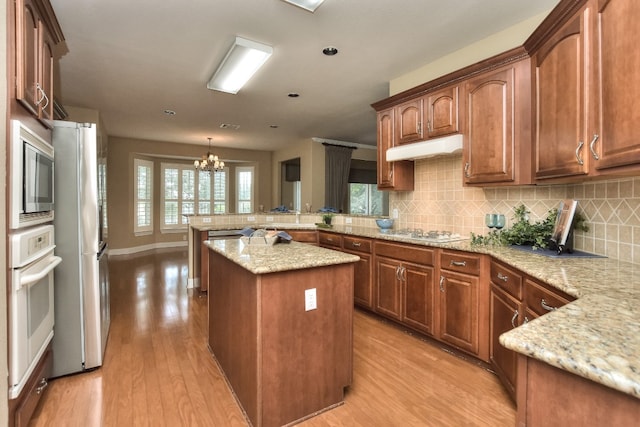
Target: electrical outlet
[(348, 220), (251, 218), (395, 214), (310, 301), (269, 219), (206, 220)]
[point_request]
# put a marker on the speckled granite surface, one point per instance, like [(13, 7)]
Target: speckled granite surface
[(262, 259), (597, 336)]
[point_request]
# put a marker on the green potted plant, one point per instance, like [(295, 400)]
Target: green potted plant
[(326, 218)]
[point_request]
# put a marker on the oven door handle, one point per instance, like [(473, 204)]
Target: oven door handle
[(28, 279)]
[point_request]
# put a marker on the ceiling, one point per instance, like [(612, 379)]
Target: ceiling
[(131, 60)]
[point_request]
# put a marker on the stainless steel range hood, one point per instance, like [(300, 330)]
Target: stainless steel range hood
[(420, 150)]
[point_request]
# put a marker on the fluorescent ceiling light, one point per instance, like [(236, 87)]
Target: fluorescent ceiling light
[(310, 5), (242, 61)]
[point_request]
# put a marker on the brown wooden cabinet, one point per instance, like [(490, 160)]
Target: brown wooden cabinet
[(616, 90), (441, 112), (587, 94), (506, 313), (405, 285), (409, 117), (329, 240), (463, 304), (497, 134), (363, 270), (515, 299), (36, 34), (391, 175), (304, 236), (22, 408)]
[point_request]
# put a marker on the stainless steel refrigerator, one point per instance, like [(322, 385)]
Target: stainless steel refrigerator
[(81, 281)]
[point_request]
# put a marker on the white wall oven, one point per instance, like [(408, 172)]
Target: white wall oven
[(32, 316), (32, 174)]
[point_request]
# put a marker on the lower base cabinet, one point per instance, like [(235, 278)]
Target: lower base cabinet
[(363, 270), (22, 408), (505, 312)]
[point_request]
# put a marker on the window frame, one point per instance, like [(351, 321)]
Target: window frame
[(251, 200)]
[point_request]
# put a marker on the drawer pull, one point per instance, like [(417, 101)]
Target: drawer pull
[(526, 319), (503, 277), (578, 158), (591, 147), (459, 263), (356, 244), (546, 306), (43, 384), (329, 239), (441, 283), (513, 319)]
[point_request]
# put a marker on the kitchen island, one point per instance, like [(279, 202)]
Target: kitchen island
[(280, 327)]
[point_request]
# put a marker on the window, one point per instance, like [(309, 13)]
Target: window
[(187, 192), (245, 189), (143, 197), (366, 199)]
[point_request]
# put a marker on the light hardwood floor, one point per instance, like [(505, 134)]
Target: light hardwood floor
[(158, 370)]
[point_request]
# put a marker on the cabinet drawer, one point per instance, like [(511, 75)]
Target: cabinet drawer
[(409, 253), (329, 239), (542, 300), (506, 278), (303, 236), (34, 389), (462, 262), (356, 244)]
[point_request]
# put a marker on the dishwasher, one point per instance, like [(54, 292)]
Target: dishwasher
[(204, 253)]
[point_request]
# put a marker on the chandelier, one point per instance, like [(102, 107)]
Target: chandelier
[(209, 162)]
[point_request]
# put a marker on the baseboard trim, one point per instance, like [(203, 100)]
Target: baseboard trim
[(150, 247)]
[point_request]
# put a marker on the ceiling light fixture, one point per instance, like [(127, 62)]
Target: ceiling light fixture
[(210, 162), (330, 50), (310, 5), (241, 62)]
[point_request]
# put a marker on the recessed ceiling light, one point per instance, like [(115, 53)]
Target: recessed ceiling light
[(169, 112), (293, 95), (330, 50), (310, 5), (229, 126), (273, 126)]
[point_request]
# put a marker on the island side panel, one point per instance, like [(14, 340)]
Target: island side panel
[(233, 336), (307, 356)]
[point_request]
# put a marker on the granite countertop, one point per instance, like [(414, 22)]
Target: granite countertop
[(263, 259), (597, 336)]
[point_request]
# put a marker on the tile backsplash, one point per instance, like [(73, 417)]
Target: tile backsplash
[(440, 202)]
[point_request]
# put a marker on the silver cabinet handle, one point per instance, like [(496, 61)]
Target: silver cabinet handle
[(503, 277), (578, 158), (592, 145), (329, 239), (356, 244), (467, 166), (513, 319), (419, 128), (404, 274), (458, 263), (546, 306), (441, 283), (526, 319), (43, 384), (429, 126), (398, 278), (41, 92)]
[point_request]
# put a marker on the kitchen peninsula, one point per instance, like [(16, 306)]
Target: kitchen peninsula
[(280, 326)]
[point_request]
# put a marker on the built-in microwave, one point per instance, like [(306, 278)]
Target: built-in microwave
[(32, 175)]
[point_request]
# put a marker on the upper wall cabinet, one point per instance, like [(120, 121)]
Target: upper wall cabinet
[(430, 116), (617, 88), (497, 136), (587, 94), (391, 175), (37, 31)]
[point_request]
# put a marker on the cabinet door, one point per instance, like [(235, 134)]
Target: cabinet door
[(27, 24), (204, 262), (45, 79), (442, 112), (362, 283), (419, 297), (409, 122), (618, 86), (391, 175), (388, 288), (505, 313), (490, 132), (560, 97), (459, 310)]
